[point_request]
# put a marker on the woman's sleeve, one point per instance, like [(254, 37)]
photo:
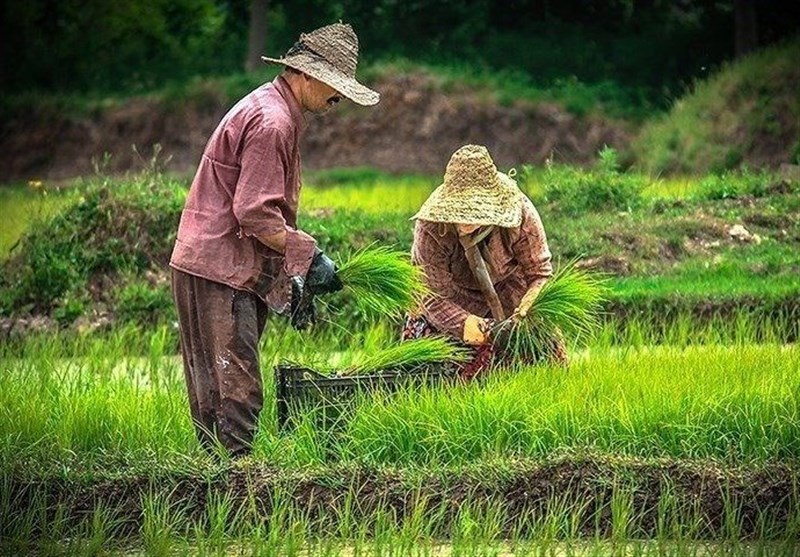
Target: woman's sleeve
[(530, 247), (438, 307)]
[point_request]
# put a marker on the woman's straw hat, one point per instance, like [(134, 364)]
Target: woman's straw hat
[(474, 192), (330, 54)]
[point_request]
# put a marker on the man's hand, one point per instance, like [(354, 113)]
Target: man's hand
[(303, 313), (476, 330), (322, 277), (527, 301)]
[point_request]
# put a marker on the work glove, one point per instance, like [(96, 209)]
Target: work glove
[(303, 312), (476, 330), (320, 279), (527, 301)]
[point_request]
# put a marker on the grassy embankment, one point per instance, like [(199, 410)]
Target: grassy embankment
[(666, 242), (748, 112)]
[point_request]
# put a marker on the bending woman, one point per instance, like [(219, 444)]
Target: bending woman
[(482, 247)]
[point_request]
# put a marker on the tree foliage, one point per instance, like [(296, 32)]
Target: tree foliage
[(123, 46)]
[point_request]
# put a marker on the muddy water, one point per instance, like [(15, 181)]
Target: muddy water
[(632, 548)]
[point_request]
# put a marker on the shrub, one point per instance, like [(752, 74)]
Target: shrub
[(140, 302), (113, 228), (604, 188)]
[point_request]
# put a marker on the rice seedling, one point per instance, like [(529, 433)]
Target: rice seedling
[(409, 354), (382, 280), (567, 307)]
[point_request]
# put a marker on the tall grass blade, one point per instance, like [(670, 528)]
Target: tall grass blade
[(409, 354)]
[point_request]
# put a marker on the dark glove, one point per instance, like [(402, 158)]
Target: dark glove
[(303, 312), (321, 277)]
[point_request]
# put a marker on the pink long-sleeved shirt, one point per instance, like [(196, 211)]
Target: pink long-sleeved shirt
[(248, 184)]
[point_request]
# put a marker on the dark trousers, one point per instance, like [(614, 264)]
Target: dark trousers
[(220, 328)]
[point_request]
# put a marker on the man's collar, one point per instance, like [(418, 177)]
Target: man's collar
[(282, 86)]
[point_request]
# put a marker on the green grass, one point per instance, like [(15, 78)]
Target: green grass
[(366, 189), (703, 402), (671, 243), (382, 280), (105, 404), (22, 205), (408, 355), (229, 525), (92, 413), (568, 305)]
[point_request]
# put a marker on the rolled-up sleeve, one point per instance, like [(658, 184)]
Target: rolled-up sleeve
[(531, 249), (444, 314)]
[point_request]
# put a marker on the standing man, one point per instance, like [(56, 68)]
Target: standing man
[(238, 252)]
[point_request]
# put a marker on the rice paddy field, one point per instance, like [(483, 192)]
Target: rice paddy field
[(675, 429)]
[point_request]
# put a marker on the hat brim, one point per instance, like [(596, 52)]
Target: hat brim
[(325, 72), (475, 206)]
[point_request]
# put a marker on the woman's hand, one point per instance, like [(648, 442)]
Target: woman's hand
[(527, 301), (476, 330)]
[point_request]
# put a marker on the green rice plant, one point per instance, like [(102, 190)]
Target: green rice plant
[(162, 522), (382, 280), (409, 354), (568, 305)]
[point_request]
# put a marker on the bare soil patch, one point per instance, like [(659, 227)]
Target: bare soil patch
[(415, 128)]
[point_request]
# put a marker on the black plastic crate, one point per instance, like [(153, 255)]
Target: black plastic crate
[(300, 387)]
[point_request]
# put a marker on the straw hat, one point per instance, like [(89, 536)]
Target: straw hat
[(330, 54), (474, 192)]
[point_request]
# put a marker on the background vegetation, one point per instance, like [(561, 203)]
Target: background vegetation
[(643, 52), (667, 243)]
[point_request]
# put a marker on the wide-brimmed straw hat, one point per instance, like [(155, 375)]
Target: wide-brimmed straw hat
[(474, 192), (330, 54)]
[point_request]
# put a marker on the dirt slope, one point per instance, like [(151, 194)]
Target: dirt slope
[(415, 128)]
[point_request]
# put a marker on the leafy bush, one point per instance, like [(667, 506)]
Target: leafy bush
[(140, 302), (604, 188), (115, 227)]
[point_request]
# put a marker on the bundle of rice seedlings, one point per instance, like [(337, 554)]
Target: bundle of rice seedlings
[(409, 354), (569, 306), (382, 280)]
